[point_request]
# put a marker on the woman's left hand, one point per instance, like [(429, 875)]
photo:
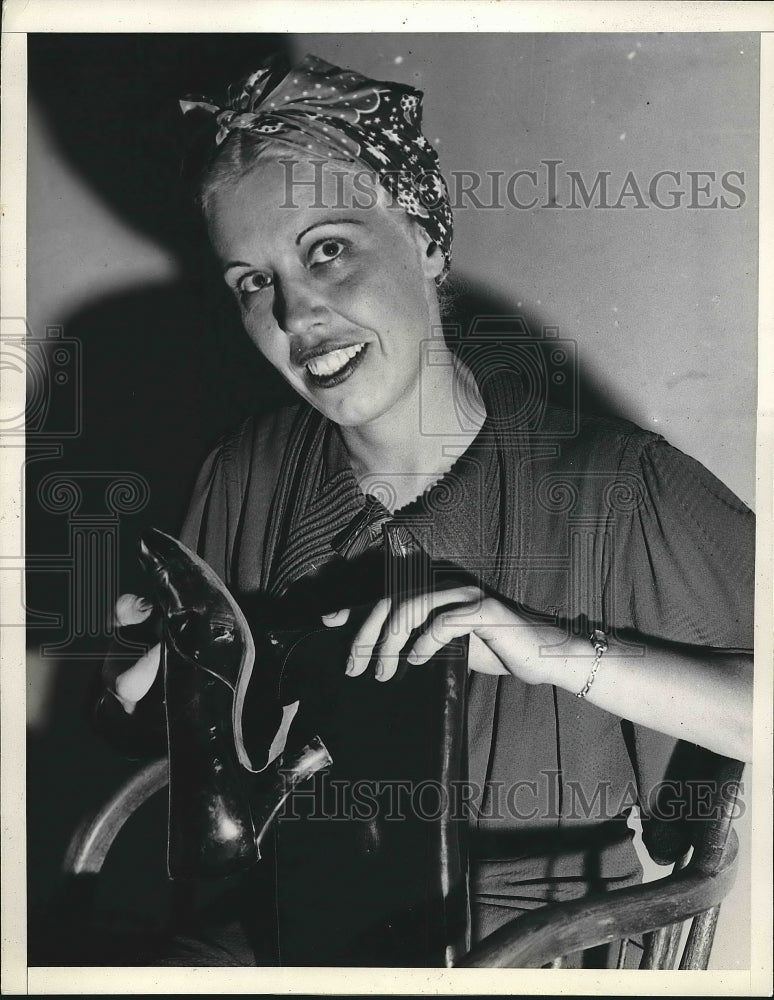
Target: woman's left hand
[(697, 694), (501, 641)]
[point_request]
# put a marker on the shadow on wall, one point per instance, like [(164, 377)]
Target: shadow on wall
[(166, 369)]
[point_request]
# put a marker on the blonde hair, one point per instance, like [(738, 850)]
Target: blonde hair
[(237, 157), (243, 150)]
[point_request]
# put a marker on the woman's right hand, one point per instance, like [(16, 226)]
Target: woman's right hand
[(129, 684)]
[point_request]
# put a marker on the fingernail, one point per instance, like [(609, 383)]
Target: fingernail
[(379, 671), (412, 657), (350, 665)]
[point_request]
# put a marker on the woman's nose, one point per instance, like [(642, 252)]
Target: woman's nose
[(298, 307)]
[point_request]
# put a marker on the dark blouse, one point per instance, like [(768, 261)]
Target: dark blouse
[(610, 526)]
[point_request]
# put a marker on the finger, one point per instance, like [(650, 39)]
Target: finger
[(480, 621), (335, 618), (439, 634), (131, 609), (135, 682), (367, 638), (403, 619), (481, 657), (411, 615)]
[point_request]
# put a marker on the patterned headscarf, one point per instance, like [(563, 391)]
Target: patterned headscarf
[(376, 123)]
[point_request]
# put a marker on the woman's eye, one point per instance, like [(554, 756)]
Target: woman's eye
[(251, 283), (325, 251)]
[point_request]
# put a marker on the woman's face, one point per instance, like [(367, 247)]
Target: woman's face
[(336, 293)]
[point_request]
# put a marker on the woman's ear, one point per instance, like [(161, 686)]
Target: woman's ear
[(432, 258)]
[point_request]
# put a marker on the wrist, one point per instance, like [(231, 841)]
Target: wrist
[(576, 667)]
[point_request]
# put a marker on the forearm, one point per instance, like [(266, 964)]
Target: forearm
[(701, 695), (697, 694)]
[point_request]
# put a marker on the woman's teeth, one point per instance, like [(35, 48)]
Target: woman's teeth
[(334, 361)]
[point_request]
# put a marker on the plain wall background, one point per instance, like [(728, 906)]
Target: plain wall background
[(661, 303)]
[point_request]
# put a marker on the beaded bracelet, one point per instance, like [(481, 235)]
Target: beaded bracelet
[(599, 641)]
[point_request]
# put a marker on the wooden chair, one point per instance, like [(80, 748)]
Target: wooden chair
[(657, 910), (693, 892)]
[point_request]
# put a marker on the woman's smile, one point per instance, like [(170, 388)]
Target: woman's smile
[(335, 366)]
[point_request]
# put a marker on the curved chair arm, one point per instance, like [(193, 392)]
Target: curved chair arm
[(93, 839), (540, 937), (89, 845)]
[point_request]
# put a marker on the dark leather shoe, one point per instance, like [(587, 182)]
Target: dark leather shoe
[(203, 624), (206, 643), (208, 657)]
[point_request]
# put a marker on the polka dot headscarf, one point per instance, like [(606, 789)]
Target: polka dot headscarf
[(377, 123)]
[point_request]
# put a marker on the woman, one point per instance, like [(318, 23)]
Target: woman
[(607, 594)]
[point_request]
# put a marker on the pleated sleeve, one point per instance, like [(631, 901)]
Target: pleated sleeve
[(681, 561)]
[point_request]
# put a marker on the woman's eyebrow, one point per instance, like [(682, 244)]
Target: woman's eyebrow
[(322, 222), (328, 222)]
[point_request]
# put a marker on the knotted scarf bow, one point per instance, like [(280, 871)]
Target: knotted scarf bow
[(357, 119)]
